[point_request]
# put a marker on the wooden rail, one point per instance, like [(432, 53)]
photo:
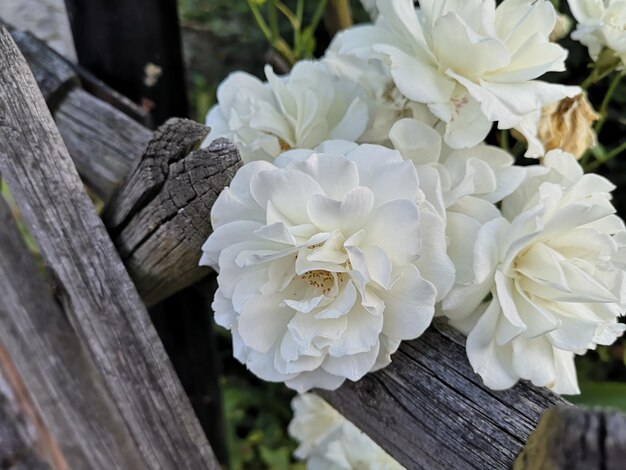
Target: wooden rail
[(93, 287), (104, 143)]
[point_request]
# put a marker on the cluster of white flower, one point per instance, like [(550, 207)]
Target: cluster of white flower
[(330, 442), (369, 200), (601, 25)]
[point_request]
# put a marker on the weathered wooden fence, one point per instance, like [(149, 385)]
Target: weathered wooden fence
[(83, 363)]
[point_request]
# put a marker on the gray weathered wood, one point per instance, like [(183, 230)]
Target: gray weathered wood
[(104, 143), (160, 217), (92, 285), (428, 409), (54, 75), (570, 438), (62, 382), (19, 446)]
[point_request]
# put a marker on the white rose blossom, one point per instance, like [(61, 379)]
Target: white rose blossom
[(328, 441), (472, 63), (299, 110), (386, 104), (483, 171), (326, 260), (601, 24), (543, 282)]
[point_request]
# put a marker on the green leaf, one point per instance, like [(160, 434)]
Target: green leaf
[(611, 394)]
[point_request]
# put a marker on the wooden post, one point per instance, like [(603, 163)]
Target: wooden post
[(135, 47), (160, 217), (92, 285), (571, 438)]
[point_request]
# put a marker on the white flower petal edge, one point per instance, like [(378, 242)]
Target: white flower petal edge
[(328, 441), (326, 260), (472, 63), (544, 282), (484, 171), (386, 104), (601, 23), (299, 110)]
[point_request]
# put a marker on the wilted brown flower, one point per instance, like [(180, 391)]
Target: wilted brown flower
[(568, 125), (562, 27)]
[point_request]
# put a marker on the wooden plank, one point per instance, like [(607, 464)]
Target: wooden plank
[(428, 409), (19, 430), (93, 286), (53, 73), (138, 50), (185, 324), (104, 143), (570, 438), (75, 422), (159, 218)]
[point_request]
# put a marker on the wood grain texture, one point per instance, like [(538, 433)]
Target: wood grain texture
[(570, 438), (104, 143), (428, 409), (77, 415), (18, 431), (54, 75), (93, 287), (160, 217)]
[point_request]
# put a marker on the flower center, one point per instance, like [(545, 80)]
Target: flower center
[(284, 146), (324, 280)]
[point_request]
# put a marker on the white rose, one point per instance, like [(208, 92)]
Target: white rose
[(330, 442), (326, 262), (483, 171), (300, 110), (386, 104), (542, 284), (601, 23), (472, 63)]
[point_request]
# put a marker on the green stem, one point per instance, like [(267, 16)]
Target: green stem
[(504, 140), (278, 43), (606, 101), (273, 16), (284, 9), (518, 149), (609, 156), (590, 80), (297, 28), (595, 76), (260, 21), (317, 16)]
